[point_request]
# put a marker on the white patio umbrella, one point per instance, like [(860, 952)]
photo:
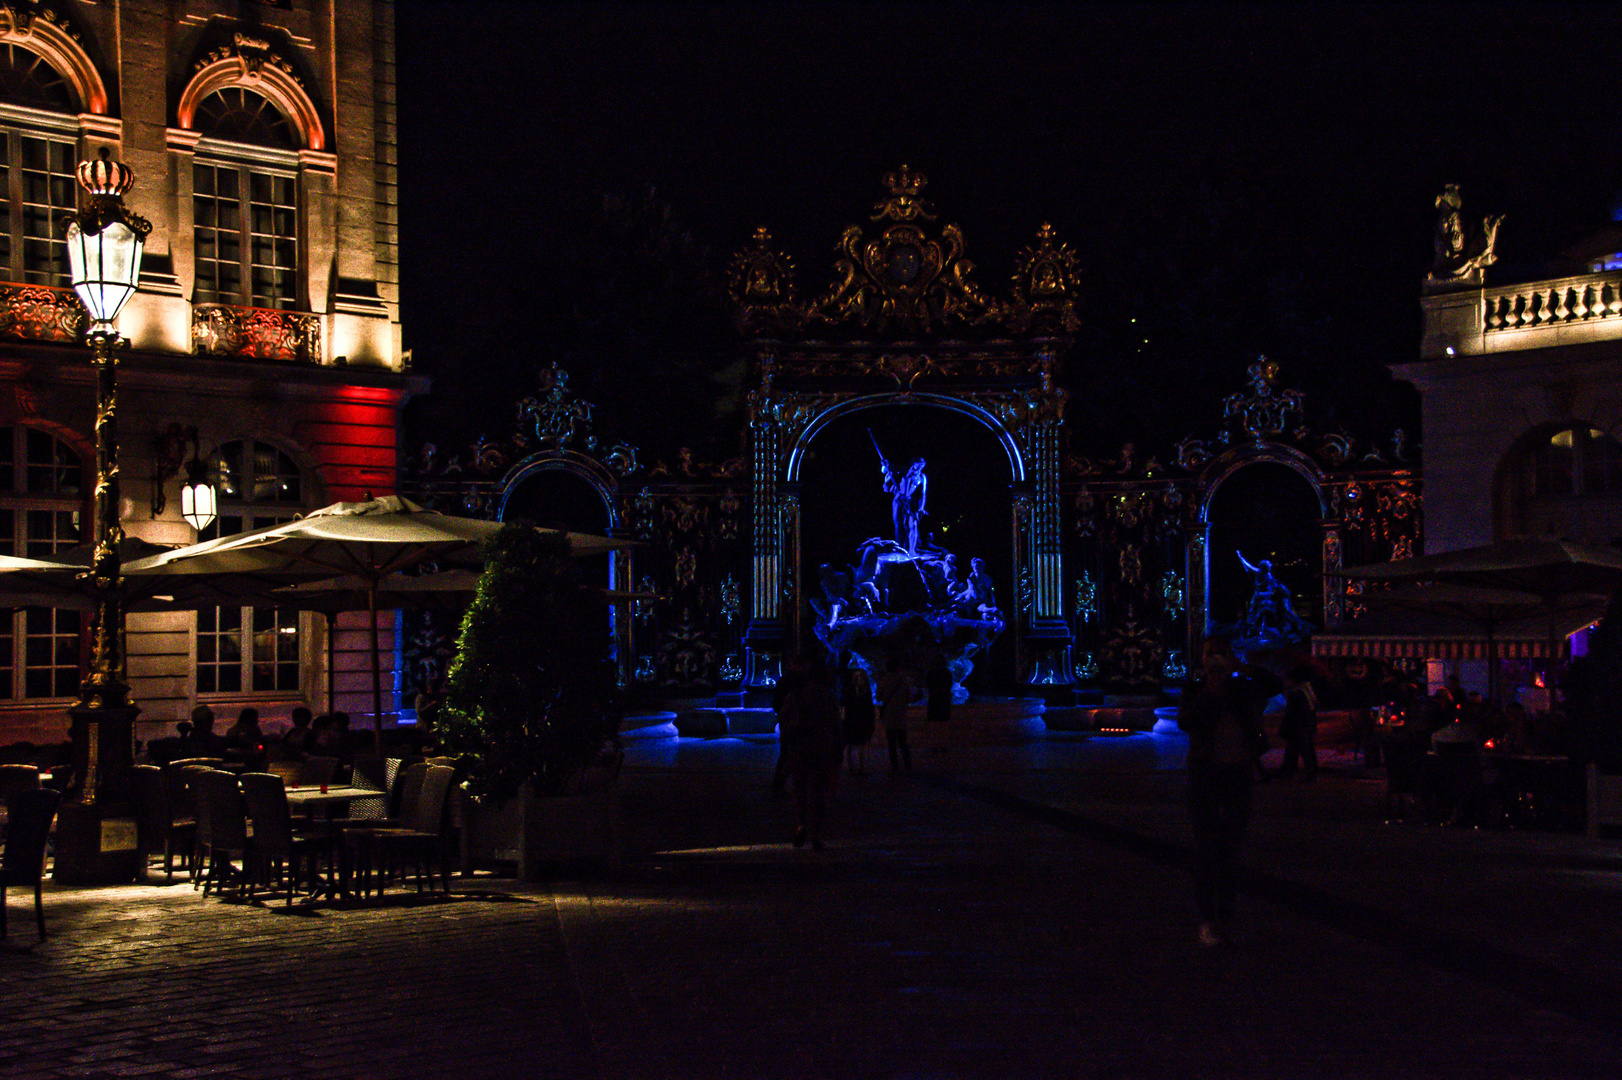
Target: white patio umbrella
[(370, 542)]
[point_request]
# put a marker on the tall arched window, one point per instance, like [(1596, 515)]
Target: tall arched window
[(37, 156), (245, 202), (251, 649), (41, 503), (1563, 481)]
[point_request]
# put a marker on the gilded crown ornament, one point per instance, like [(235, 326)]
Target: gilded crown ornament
[(903, 204)]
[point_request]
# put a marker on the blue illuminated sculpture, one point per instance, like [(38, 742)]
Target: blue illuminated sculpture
[(907, 600), (1270, 620)]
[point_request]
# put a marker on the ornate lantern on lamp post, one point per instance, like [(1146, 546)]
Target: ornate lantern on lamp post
[(95, 840)]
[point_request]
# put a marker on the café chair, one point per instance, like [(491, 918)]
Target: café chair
[(419, 837), (222, 830), (30, 813), (17, 778), (156, 823), (275, 851), (424, 839)]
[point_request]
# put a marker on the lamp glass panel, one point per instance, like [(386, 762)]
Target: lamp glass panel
[(104, 268), (197, 505)]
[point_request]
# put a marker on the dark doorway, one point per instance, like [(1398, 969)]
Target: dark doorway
[(1265, 511), (843, 502), (559, 499)]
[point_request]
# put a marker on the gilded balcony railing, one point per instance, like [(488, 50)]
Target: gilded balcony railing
[(1557, 302), (40, 313), (228, 330)]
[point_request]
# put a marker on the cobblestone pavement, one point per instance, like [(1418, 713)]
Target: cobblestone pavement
[(1007, 912)]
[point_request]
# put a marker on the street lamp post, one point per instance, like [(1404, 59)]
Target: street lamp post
[(95, 835)]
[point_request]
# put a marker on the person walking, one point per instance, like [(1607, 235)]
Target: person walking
[(895, 692), (812, 740), (1299, 728), (857, 697), (1222, 717)]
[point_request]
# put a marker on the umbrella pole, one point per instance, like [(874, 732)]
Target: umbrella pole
[(377, 669), (332, 672)]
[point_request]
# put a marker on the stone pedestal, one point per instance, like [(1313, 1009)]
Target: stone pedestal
[(95, 828)]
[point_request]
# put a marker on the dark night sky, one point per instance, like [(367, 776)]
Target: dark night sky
[(1204, 160)]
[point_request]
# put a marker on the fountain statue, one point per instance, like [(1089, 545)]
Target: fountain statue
[(906, 599), (1270, 620)]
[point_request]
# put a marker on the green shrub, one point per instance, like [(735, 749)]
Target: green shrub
[(532, 693)]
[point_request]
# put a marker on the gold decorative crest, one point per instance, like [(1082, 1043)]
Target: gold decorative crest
[(908, 281)]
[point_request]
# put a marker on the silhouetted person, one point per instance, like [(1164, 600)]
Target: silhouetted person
[(811, 740), (1299, 728), (1224, 724), (860, 719)]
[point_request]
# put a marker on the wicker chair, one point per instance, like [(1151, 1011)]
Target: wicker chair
[(275, 851)]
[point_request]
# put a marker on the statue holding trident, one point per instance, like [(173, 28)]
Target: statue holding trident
[(908, 494)]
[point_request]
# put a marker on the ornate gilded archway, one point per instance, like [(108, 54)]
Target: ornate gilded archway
[(905, 322)]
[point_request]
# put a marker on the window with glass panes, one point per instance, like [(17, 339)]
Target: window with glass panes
[(41, 508), (245, 209), (246, 234), (251, 649), (37, 159)]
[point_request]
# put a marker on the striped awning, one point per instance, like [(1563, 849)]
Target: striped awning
[(1410, 635), (1395, 648)]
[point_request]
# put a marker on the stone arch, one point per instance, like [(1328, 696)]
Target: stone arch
[(1016, 459), (43, 36), (313, 485), (1224, 467), (1593, 503), (262, 77), (587, 469)]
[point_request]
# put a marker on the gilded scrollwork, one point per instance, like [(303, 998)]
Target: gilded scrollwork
[(1268, 411), (41, 313), (909, 279), (1046, 282)]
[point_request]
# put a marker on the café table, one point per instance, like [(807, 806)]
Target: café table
[(307, 799)]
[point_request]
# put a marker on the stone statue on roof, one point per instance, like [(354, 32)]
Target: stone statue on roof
[(1462, 250)]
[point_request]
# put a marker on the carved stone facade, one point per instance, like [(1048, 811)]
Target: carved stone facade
[(311, 389), (1521, 390)]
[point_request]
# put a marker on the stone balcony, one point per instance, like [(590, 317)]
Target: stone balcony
[(1533, 315)]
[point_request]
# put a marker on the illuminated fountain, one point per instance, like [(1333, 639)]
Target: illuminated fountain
[(908, 601)]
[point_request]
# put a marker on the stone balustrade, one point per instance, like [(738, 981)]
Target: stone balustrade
[(1557, 302)]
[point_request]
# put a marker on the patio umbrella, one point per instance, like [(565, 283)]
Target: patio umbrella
[(368, 541), (1547, 568), (1558, 573), (63, 582), (1457, 622), (445, 590)]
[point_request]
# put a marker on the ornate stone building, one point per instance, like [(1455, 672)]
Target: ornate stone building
[(1522, 394), (264, 340)]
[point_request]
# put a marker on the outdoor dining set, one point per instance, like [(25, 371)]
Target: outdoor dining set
[(304, 829)]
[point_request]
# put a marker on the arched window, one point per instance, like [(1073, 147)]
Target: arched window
[(37, 159), (245, 202), (41, 503), (251, 649), (1563, 482)]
